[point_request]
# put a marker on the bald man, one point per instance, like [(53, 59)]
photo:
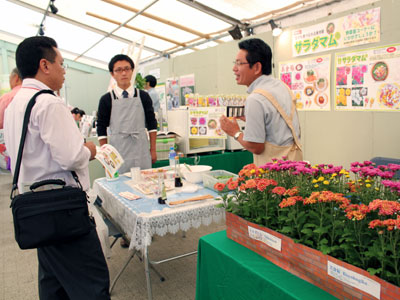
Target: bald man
[(5, 100)]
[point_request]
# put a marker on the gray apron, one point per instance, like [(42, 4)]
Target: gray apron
[(128, 133)]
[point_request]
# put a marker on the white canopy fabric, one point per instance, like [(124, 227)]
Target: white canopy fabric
[(90, 31)]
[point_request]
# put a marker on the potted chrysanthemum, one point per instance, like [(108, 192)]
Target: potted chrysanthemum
[(350, 217)]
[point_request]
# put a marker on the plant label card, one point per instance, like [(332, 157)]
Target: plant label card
[(266, 238), (354, 279)]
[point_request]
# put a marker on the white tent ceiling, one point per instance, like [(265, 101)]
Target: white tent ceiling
[(90, 31)]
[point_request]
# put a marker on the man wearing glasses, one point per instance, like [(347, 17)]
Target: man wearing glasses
[(127, 112), (269, 132), (53, 148)]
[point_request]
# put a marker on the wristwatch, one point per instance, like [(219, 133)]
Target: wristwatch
[(237, 134)]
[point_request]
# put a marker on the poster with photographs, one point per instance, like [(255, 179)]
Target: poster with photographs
[(160, 89), (368, 80), (172, 93), (204, 122), (187, 87), (309, 80)]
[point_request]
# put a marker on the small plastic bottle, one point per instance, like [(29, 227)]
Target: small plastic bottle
[(171, 157), (178, 180)]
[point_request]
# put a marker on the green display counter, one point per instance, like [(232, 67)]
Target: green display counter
[(229, 161), (227, 270)]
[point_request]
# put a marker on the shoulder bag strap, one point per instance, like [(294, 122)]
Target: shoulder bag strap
[(27, 116), (279, 108)]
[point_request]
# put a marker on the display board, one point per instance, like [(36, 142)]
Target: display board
[(368, 79), (309, 79), (203, 122), (187, 86), (172, 93), (351, 30), (160, 89)]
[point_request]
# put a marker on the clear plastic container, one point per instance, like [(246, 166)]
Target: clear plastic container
[(209, 178), (163, 146)]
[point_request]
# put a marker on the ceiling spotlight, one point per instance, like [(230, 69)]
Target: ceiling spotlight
[(41, 31), (250, 31), (235, 33), (276, 30), (53, 8)]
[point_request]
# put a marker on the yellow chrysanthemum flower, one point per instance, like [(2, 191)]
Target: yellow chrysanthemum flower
[(368, 185), (334, 175), (321, 178), (252, 171), (342, 171), (314, 181), (316, 185), (367, 180), (326, 182)]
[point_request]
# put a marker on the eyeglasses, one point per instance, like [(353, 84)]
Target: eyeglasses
[(239, 63), (120, 70), (64, 66)]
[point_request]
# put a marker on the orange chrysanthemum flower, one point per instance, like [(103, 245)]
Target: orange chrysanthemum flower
[(279, 190), (219, 186), (232, 185)]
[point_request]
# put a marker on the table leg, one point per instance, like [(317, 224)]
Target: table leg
[(147, 273), (133, 252)]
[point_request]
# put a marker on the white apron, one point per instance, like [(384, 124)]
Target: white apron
[(128, 132)]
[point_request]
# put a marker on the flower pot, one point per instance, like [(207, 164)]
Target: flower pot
[(338, 278)]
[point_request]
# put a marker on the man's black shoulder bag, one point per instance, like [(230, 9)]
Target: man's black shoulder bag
[(47, 217)]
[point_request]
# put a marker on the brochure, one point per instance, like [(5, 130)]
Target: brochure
[(110, 158)]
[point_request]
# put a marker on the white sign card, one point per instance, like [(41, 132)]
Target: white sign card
[(354, 279), (266, 238)]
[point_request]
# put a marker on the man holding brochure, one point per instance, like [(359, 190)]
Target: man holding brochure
[(74, 269)]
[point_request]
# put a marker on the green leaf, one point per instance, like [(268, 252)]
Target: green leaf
[(307, 231), (321, 230), (323, 242), (140, 81), (373, 271), (309, 225), (325, 249), (286, 229)]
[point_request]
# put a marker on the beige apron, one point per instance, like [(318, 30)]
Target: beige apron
[(293, 151)]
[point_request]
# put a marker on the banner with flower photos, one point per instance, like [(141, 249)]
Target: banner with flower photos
[(368, 80), (351, 30), (309, 79)]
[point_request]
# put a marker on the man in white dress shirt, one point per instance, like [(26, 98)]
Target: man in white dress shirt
[(53, 148)]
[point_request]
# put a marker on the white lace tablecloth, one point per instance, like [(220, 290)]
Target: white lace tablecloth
[(142, 218)]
